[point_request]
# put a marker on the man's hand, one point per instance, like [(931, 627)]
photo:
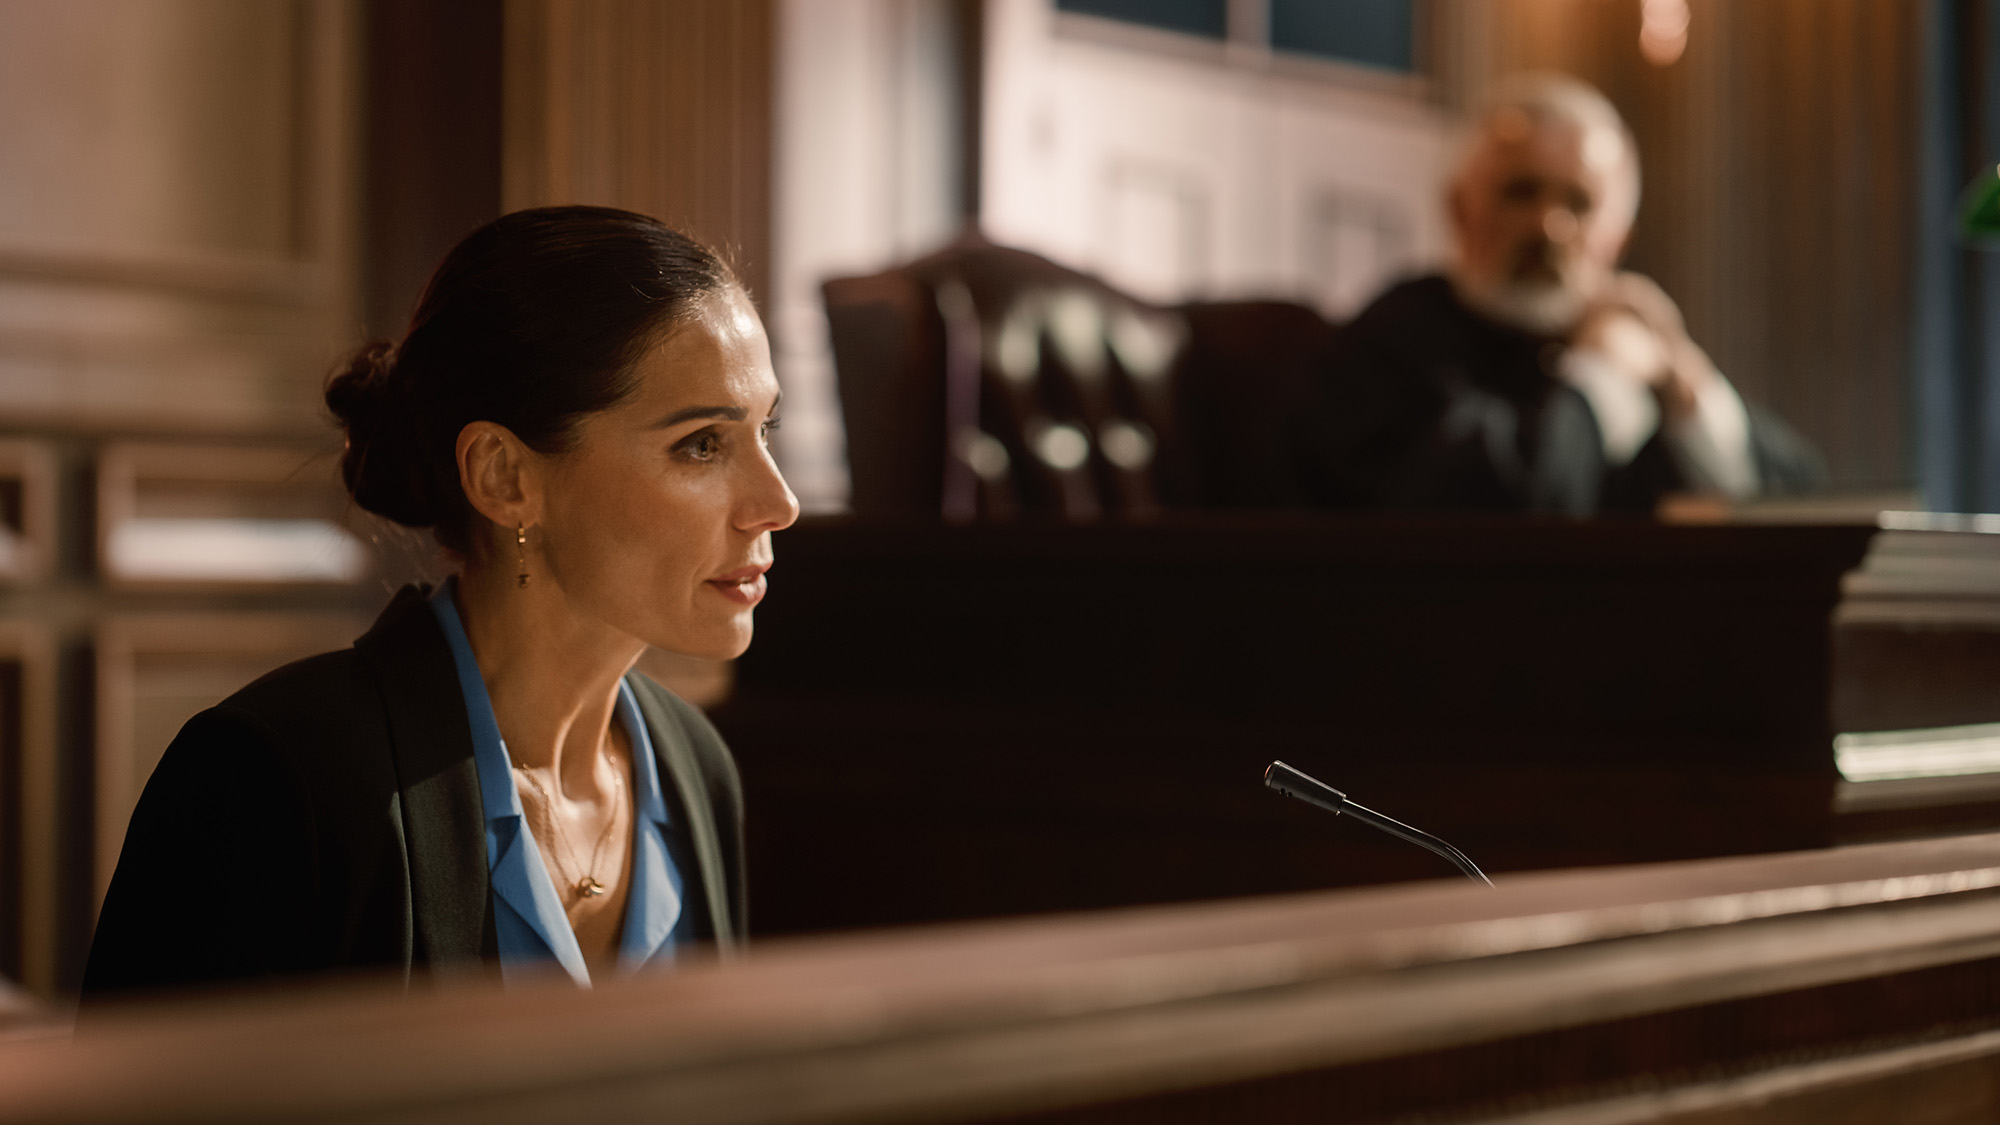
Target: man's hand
[(1637, 330)]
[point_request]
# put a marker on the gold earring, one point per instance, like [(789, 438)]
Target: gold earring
[(521, 552)]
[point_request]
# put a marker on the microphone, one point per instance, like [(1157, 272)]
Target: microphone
[(1313, 791)]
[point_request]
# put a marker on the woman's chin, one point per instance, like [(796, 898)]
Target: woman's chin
[(725, 643)]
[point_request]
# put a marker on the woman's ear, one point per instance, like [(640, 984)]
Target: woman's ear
[(501, 476)]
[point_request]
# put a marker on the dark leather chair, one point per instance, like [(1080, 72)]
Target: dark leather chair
[(987, 383)]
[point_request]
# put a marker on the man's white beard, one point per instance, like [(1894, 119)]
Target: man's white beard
[(1545, 308)]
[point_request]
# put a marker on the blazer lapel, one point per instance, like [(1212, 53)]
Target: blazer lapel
[(444, 825), (677, 763)]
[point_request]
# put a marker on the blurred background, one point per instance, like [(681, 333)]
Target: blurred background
[(203, 203)]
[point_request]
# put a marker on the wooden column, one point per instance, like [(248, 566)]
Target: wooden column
[(660, 106), (433, 144)]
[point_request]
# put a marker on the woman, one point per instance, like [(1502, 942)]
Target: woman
[(580, 411)]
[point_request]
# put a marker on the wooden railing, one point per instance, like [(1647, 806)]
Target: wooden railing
[(1803, 987)]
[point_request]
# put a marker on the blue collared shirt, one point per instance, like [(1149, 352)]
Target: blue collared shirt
[(532, 928)]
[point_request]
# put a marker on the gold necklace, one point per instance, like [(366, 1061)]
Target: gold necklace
[(588, 885)]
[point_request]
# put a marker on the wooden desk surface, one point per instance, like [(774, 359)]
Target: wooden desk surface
[(1804, 956)]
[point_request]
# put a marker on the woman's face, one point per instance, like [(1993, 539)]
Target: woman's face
[(657, 521)]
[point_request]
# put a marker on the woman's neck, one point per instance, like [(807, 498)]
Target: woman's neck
[(552, 676)]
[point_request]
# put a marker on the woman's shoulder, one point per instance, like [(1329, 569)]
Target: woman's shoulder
[(321, 705), (315, 688), (312, 735), (265, 744), (326, 692), (289, 717)]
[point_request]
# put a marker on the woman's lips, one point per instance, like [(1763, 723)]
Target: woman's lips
[(744, 587)]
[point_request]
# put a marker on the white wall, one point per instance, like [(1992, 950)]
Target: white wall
[(1193, 173), (867, 175)]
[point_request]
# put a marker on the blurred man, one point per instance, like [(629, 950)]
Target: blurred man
[(1535, 376)]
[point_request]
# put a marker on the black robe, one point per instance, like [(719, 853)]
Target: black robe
[(328, 818), (1421, 404)]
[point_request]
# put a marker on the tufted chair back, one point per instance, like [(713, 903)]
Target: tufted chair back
[(987, 383)]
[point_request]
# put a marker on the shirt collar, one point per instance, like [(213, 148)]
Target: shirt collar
[(489, 751), (519, 878), (647, 799)]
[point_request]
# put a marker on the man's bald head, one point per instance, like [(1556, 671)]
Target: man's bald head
[(1542, 201)]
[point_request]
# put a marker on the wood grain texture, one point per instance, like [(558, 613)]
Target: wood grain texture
[(660, 108), (29, 802), (178, 209), (27, 509), (1954, 1082), (1063, 1015), (432, 172)]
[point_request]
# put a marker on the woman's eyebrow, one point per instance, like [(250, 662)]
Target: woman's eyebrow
[(730, 413)]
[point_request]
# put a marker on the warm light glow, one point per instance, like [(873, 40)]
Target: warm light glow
[(235, 550), (1663, 30), (1935, 752)]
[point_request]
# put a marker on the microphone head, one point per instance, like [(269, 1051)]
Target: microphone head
[(1311, 790)]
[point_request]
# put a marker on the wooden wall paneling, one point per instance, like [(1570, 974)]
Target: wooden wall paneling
[(659, 108), (175, 212), (28, 805), (155, 671), (27, 510), (181, 322), (328, 147), (177, 247), (279, 513), (203, 174), (1822, 182), (433, 143)]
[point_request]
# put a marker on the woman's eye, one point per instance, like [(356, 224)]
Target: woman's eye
[(704, 446), (769, 427)]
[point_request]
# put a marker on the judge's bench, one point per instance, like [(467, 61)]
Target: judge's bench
[(949, 722)]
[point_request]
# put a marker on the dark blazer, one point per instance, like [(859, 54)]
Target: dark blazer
[(328, 817), (1423, 404)]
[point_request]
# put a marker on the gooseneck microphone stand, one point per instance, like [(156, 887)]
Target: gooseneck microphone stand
[(1312, 791)]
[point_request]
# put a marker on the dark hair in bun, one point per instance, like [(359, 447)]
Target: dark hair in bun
[(533, 321)]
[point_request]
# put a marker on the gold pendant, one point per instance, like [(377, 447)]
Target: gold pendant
[(588, 887)]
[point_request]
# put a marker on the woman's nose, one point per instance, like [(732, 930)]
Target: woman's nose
[(770, 504)]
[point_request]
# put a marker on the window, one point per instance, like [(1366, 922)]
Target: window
[(1378, 33), (1208, 18), (1373, 33)]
